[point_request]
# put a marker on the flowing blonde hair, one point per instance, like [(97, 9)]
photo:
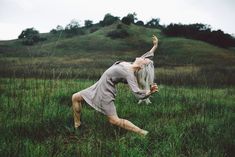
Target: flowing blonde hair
[(145, 76)]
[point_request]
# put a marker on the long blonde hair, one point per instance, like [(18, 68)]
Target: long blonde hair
[(145, 76)]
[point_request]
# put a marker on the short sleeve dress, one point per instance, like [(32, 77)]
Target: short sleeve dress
[(102, 94)]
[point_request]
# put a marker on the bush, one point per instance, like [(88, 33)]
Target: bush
[(130, 18), (53, 31), (73, 28), (30, 36), (59, 28), (140, 23), (126, 20), (88, 23), (119, 33), (108, 20), (93, 30), (154, 23), (119, 26)]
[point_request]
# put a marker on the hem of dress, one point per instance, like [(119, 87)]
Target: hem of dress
[(96, 108)]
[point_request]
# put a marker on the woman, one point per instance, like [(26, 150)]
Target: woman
[(102, 94)]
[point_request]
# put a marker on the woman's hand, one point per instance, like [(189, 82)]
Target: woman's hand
[(155, 40), (154, 88)]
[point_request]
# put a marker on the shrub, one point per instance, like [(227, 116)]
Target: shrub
[(30, 36), (73, 28), (59, 28), (130, 18), (119, 26), (108, 20), (140, 23), (126, 20), (93, 30), (88, 23), (119, 33), (154, 23)]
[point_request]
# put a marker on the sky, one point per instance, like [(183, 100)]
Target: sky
[(44, 15)]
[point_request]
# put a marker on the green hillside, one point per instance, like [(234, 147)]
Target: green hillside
[(96, 51), (179, 50)]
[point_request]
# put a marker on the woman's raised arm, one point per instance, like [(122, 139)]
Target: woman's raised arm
[(150, 53), (155, 44)]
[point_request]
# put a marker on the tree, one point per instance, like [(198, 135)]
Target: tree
[(126, 20), (59, 28), (200, 32), (153, 23), (130, 18), (30, 36), (140, 23), (73, 28), (74, 24), (108, 20), (88, 23), (29, 32)]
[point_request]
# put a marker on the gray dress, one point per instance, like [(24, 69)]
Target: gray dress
[(102, 94)]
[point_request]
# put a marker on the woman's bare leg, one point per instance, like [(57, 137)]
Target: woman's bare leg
[(123, 123), (77, 107)]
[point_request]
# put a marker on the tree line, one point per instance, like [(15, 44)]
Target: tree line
[(196, 31), (200, 32)]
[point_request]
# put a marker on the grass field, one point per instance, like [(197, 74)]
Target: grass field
[(36, 120), (192, 116)]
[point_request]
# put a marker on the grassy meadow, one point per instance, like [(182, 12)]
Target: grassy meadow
[(36, 120), (192, 115)]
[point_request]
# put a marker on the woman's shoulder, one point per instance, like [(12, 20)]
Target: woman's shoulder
[(121, 62), (122, 67), (128, 69), (124, 63)]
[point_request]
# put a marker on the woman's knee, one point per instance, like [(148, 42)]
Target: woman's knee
[(77, 97), (114, 120)]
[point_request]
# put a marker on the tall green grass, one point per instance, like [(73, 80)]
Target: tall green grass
[(36, 120), (92, 67)]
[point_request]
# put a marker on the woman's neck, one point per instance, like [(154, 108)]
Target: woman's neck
[(135, 67)]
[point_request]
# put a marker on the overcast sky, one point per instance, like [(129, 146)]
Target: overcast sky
[(43, 15)]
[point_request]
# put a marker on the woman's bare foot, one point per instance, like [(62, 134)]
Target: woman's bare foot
[(143, 132), (77, 125)]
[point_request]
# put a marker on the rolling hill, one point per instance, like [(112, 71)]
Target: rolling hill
[(179, 50), (95, 50)]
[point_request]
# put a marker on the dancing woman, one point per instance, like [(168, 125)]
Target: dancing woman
[(102, 94)]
